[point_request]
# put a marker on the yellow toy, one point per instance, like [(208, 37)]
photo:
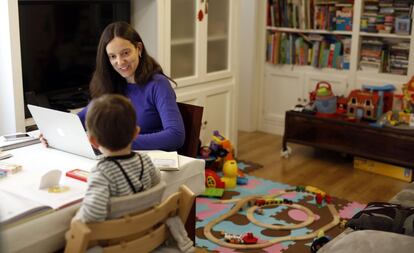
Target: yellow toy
[(408, 95), (230, 174)]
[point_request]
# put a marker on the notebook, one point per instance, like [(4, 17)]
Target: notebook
[(63, 131)]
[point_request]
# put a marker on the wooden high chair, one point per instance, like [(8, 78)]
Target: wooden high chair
[(140, 232)]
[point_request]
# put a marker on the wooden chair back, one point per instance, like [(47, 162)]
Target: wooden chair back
[(192, 116), (142, 232)]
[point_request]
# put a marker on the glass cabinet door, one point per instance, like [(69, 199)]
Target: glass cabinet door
[(217, 35), (183, 38)]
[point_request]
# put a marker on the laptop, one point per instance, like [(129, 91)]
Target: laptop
[(63, 131)]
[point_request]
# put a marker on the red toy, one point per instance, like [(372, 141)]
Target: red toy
[(213, 180), (247, 238), (318, 198)]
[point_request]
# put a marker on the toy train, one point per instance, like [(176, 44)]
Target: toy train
[(320, 195), (272, 201), (247, 238)]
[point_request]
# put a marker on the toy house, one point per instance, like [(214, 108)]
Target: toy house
[(362, 104), (370, 102)]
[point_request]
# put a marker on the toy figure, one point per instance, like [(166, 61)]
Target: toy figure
[(230, 174)]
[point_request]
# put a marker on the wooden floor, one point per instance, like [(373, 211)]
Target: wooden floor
[(329, 171)]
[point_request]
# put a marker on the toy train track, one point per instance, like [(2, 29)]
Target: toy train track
[(309, 220), (243, 202)]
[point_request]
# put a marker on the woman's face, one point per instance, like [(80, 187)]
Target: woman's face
[(124, 57)]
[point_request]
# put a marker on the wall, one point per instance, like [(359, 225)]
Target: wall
[(248, 82), (11, 87)]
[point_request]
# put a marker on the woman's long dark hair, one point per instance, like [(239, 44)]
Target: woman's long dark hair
[(105, 79)]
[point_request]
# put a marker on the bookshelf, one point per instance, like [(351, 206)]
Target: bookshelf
[(319, 40)]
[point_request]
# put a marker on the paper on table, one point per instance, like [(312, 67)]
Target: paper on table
[(164, 160), (28, 188), (17, 207)]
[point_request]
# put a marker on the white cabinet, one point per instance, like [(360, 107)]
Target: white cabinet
[(286, 86), (193, 40)]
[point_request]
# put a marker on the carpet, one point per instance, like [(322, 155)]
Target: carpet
[(209, 209)]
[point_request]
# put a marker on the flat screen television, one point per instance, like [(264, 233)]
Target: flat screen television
[(58, 40)]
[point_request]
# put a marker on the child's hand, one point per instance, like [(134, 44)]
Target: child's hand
[(43, 140)]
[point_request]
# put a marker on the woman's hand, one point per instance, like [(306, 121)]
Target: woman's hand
[(43, 140)]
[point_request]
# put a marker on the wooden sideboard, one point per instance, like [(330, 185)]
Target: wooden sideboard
[(390, 145)]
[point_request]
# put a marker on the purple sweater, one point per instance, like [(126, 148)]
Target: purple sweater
[(157, 114)]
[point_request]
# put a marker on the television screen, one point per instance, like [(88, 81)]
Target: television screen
[(58, 40)]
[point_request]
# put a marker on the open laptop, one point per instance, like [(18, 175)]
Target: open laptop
[(63, 131)]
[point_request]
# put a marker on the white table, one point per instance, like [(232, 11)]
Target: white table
[(45, 232)]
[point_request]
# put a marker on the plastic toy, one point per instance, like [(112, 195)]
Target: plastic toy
[(230, 171), (214, 185), (221, 146), (3, 173), (213, 192), (247, 238), (408, 99), (11, 168), (241, 178), (272, 201), (324, 99), (212, 180), (371, 102), (320, 195)]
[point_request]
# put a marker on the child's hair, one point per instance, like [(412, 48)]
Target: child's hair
[(111, 120)]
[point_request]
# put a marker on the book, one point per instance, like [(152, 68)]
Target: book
[(26, 199), (18, 208), (7, 145), (163, 160)]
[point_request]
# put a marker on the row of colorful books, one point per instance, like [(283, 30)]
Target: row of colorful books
[(314, 50), (311, 14), (382, 56)]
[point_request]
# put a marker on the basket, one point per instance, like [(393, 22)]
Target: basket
[(325, 101)]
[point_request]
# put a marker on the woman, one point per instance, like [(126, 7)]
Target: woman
[(123, 66)]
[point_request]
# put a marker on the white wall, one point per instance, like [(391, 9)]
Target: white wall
[(248, 85), (11, 87)]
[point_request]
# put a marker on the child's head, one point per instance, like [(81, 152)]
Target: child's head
[(111, 122)]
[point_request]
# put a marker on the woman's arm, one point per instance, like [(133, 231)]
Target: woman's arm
[(82, 115), (172, 135)]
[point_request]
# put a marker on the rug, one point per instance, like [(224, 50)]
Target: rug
[(209, 209)]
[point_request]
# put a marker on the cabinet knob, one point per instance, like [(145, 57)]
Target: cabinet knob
[(299, 99), (305, 100), (205, 122)]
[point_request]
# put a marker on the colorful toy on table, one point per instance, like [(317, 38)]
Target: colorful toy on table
[(408, 92), (230, 172), (3, 173), (370, 102), (10, 168), (324, 99), (78, 174)]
